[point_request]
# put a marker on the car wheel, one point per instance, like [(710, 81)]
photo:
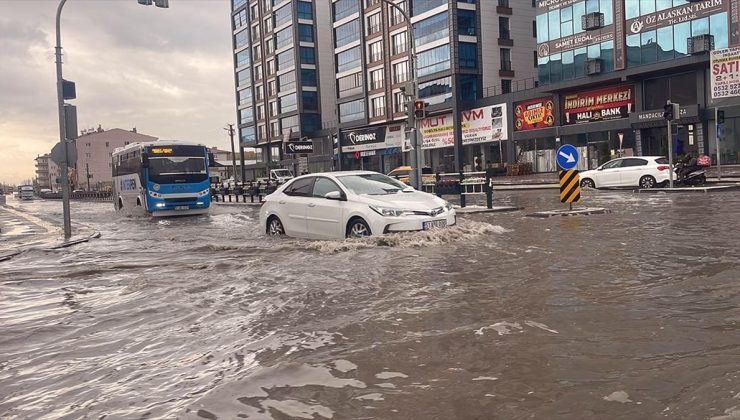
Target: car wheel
[(647, 182), (275, 226), (588, 183), (357, 228)]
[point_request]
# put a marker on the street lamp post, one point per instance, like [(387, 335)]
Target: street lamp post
[(64, 172), (416, 156)]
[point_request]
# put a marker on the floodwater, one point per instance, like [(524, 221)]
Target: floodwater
[(628, 315)]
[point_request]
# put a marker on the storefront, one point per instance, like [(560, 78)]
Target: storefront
[(484, 139), (534, 133), (372, 149), (651, 132)]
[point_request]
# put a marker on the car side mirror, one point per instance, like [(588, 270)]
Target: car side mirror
[(335, 195), (600, 168)]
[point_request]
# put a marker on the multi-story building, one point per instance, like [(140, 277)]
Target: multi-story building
[(43, 180), (94, 149), (280, 71), (606, 69), (464, 50)]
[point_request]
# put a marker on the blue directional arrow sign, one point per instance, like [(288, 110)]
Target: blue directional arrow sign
[(567, 157)]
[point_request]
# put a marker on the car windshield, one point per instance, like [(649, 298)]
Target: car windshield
[(371, 184), (177, 165), (283, 173), (661, 161)]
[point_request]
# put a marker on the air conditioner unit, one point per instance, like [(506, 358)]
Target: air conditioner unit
[(700, 44), (591, 21), (593, 66)]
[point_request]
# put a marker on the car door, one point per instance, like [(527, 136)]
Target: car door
[(293, 205), (609, 174), (632, 170), (325, 217)]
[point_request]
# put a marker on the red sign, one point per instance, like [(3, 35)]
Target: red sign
[(598, 105), (534, 114)]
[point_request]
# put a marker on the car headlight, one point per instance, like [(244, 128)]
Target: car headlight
[(155, 194), (389, 212), (204, 193)]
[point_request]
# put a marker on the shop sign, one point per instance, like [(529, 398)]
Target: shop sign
[(297, 147), (575, 41), (437, 132), (534, 114), (367, 153), (598, 105), (657, 114), (483, 125), (372, 138), (546, 5), (725, 68), (679, 14)]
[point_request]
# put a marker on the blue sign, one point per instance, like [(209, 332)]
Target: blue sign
[(567, 157)]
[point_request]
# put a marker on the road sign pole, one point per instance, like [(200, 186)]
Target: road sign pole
[(63, 169), (716, 143), (670, 155)]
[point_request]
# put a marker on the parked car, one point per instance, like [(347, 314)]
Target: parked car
[(402, 174), (335, 205), (638, 171)]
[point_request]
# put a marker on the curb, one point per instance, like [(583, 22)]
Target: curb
[(64, 244), (575, 212)]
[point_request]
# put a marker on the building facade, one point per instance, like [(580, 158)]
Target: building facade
[(278, 62), (607, 67), (43, 179), (94, 149), (465, 50)]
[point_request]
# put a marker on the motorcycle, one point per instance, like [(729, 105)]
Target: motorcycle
[(696, 175)]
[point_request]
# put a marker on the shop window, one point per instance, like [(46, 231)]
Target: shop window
[(648, 47), (468, 55)]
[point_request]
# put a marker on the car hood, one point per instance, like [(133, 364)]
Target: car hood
[(415, 200)]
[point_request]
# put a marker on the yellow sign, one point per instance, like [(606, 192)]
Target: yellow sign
[(570, 186), (162, 150)]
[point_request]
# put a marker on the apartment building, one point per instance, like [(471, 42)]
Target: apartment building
[(464, 50), (281, 93), (43, 180)]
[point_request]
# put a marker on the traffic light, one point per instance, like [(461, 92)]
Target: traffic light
[(720, 116), (668, 111), (420, 109)]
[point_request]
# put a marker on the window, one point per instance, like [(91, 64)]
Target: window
[(434, 60), (272, 88), (240, 19), (243, 78), (348, 60), (288, 103), (262, 131), (308, 77), (286, 59), (258, 92), (373, 23), (305, 33), (468, 87), (399, 102), (324, 186), (505, 59), (257, 72), (396, 17), (436, 91), (400, 43), (505, 86), (503, 28), (310, 123), (257, 52), (241, 39), (344, 8), (419, 7), (260, 112), (467, 22), (246, 116), (376, 79), (302, 187), (634, 162), (247, 136), (347, 33), (376, 51), (268, 25), (503, 3), (291, 124), (88, 155), (352, 111), (286, 81), (305, 10), (270, 67), (275, 129), (401, 72), (242, 58), (310, 100), (369, 3), (349, 85), (431, 29), (534, 28), (284, 37), (308, 55), (273, 108), (377, 107), (468, 55), (284, 15)]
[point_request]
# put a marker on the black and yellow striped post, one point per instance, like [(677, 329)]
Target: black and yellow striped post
[(570, 187)]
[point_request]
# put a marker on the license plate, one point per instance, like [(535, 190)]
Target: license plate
[(434, 224), (181, 207)]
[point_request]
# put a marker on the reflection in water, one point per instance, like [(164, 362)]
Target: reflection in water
[(632, 314)]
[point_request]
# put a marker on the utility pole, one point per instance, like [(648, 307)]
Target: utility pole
[(87, 175), (62, 128), (719, 120), (230, 129)]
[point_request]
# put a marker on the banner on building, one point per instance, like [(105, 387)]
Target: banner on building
[(479, 125), (598, 105), (725, 68), (534, 114), (685, 12), (372, 138)]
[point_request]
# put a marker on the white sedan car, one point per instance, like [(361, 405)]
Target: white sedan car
[(641, 171), (337, 205)]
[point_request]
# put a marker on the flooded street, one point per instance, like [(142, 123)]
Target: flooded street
[(629, 315)]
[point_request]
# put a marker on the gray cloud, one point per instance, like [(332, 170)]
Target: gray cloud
[(166, 71)]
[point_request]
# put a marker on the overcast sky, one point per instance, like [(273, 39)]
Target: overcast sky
[(166, 72)]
